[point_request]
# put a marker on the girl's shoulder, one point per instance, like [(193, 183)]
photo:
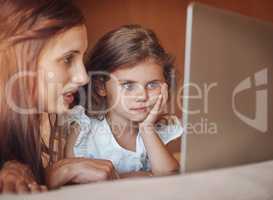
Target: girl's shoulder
[(87, 124), (90, 129), (78, 114)]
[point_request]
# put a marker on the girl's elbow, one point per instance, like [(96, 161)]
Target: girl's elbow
[(168, 170), (174, 168)]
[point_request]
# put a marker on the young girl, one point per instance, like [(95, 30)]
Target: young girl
[(130, 78)]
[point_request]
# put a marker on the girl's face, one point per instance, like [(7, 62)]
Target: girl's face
[(61, 70), (132, 92)]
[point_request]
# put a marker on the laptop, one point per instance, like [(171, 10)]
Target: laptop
[(227, 92)]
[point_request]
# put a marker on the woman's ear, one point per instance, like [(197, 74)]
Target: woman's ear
[(100, 88)]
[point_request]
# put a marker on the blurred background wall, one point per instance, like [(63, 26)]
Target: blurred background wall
[(166, 17)]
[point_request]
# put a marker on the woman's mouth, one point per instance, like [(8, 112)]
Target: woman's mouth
[(69, 97)]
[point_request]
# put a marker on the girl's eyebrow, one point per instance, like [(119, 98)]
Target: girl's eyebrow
[(131, 81), (127, 81)]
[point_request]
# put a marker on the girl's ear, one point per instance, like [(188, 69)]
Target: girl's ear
[(100, 88)]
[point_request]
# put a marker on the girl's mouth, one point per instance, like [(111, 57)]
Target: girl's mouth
[(140, 109)]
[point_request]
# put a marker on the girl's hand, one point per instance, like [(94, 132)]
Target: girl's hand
[(161, 161), (158, 108), (80, 171), (18, 178)]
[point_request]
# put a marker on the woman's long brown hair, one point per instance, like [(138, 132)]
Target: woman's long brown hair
[(25, 27)]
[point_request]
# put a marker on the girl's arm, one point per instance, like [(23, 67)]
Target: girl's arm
[(162, 162), (136, 174)]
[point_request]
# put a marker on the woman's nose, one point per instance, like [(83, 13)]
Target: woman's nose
[(80, 77)]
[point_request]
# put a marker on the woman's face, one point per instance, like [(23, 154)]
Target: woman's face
[(61, 70)]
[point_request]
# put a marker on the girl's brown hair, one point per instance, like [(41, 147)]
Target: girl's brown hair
[(25, 27), (125, 46)]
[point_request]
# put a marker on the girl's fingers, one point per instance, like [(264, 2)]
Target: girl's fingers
[(164, 92), (158, 104), (152, 117)]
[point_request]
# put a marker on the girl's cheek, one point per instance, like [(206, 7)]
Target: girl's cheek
[(126, 101), (154, 93), (153, 98)]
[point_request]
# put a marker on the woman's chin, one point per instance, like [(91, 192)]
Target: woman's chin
[(59, 109)]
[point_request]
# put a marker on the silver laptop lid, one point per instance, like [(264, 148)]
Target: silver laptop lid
[(227, 100)]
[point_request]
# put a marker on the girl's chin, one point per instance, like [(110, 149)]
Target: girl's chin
[(138, 118)]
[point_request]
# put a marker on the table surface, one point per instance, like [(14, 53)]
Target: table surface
[(247, 182)]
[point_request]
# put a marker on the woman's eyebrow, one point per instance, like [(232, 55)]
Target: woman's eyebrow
[(155, 80), (71, 52)]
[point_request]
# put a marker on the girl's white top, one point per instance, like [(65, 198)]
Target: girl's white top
[(96, 140)]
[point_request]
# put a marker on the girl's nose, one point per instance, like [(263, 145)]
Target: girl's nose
[(141, 94)]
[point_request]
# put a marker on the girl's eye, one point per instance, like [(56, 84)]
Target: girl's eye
[(128, 86), (153, 85)]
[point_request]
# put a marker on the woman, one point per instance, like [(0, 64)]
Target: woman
[(42, 45)]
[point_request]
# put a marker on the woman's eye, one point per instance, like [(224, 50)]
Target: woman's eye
[(68, 60), (153, 85)]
